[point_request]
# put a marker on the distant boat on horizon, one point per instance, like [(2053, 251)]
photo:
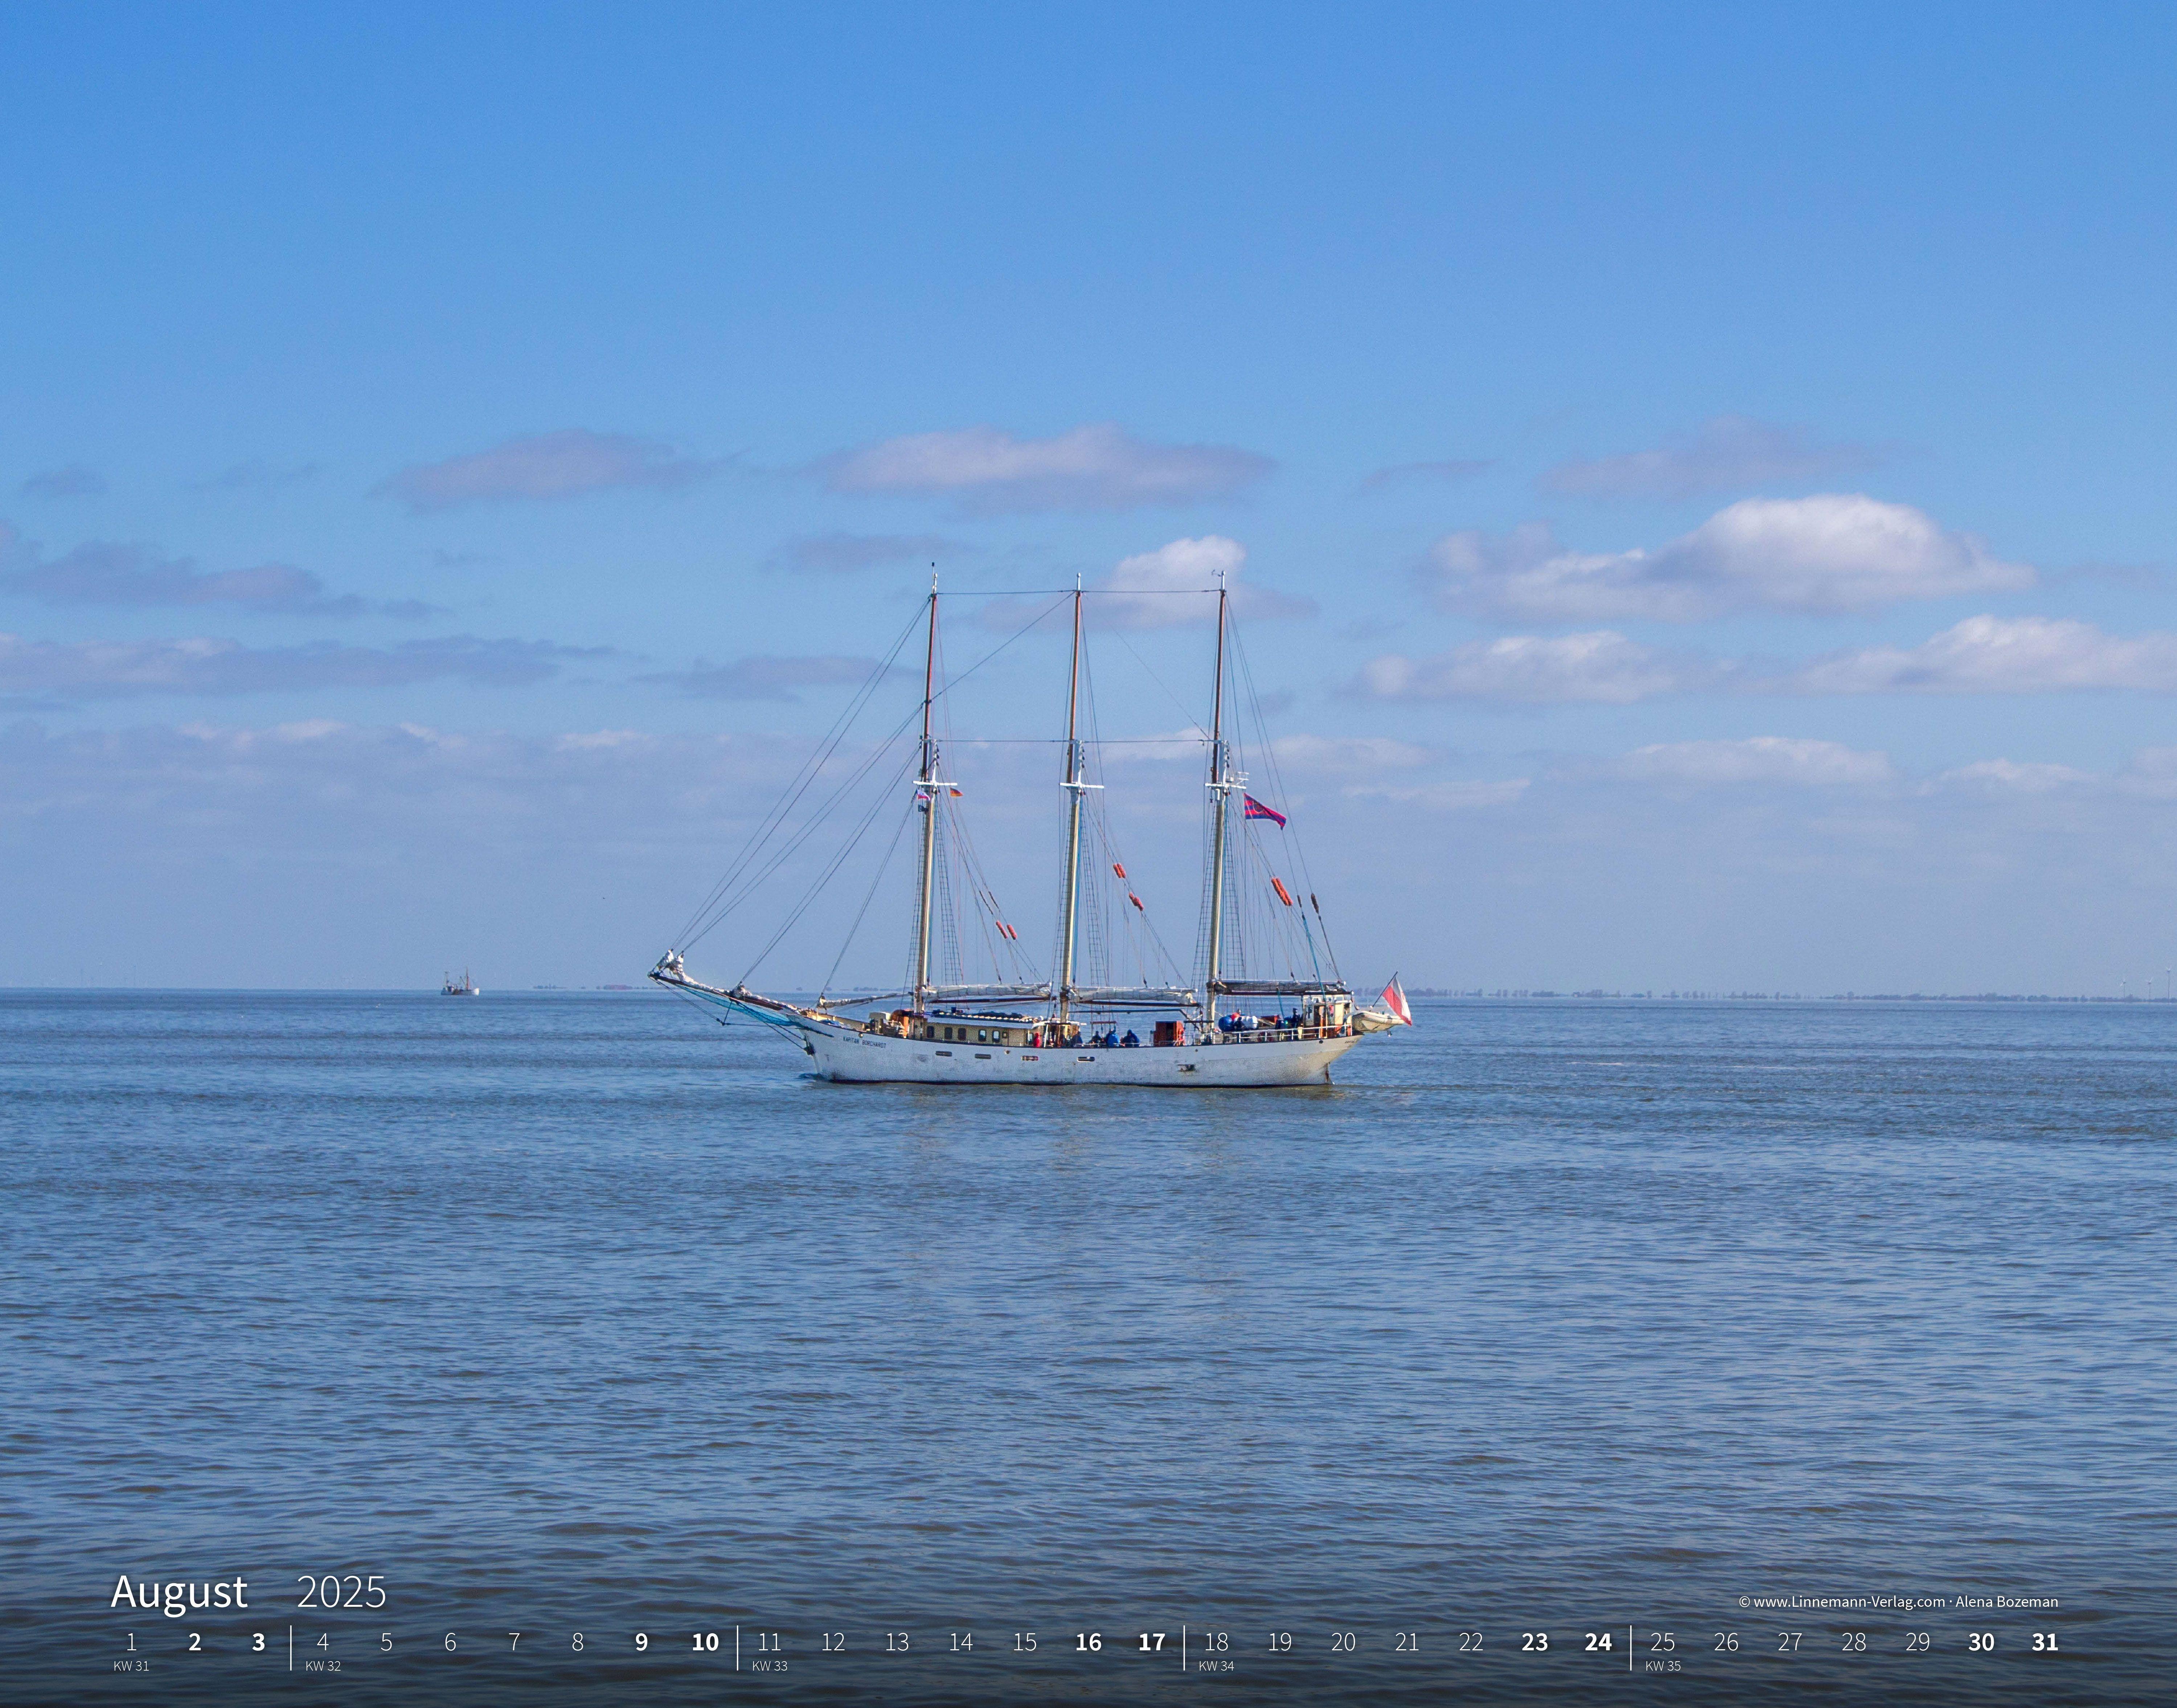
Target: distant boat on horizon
[(464, 986)]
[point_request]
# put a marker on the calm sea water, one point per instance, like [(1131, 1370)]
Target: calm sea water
[(565, 1314)]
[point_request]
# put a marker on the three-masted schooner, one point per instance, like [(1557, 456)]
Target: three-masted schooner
[(1062, 1031)]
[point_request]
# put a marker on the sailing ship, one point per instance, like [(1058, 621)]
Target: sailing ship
[(464, 986), (1226, 1028)]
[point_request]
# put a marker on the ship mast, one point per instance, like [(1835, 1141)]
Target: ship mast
[(928, 790), (1075, 788), (1220, 789)]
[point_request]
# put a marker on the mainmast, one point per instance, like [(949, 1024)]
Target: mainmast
[(1220, 789), (928, 790), (1075, 788)]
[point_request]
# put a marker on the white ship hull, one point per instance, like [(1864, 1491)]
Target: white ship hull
[(843, 1051), (874, 1058)]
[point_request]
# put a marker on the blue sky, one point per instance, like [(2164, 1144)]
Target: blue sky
[(1700, 474)]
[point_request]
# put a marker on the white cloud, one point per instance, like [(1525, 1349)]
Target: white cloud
[(1101, 466), (1981, 655), (543, 465), (1759, 759), (1182, 566), (2000, 655), (1172, 586), (1833, 552), (1539, 669), (1727, 451), (56, 670)]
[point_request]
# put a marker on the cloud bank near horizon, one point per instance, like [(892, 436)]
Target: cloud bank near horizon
[(1831, 859), (44, 671)]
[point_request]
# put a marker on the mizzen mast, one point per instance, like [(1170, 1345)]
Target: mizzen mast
[(927, 788), (1221, 788), (1075, 788)]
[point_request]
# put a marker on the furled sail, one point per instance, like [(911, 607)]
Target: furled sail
[(946, 995), (1132, 997)]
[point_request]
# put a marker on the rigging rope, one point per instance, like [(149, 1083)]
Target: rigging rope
[(883, 865), (748, 884), (825, 876), (796, 787), (1292, 837), (1200, 733), (738, 884)]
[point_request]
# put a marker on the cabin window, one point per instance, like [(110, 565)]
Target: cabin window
[(982, 1034)]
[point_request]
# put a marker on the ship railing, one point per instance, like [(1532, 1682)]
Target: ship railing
[(1278, 1034)]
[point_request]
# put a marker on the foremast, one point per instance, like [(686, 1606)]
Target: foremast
[(926, 787)]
